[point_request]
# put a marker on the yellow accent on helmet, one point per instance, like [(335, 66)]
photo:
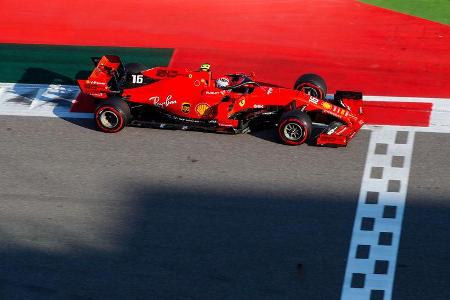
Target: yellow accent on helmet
[(205, 67)]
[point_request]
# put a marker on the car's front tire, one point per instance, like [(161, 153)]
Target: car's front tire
[(294, 128), (112, 115)]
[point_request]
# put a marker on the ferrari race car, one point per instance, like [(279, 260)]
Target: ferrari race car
[(179, 98)]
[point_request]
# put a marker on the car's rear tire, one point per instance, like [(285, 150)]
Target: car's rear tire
[(134, 68), (294, 128), (312, 84), (112, 115)]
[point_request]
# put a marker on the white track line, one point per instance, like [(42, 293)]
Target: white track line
[(403, 99), (440, 113), (376, 233)]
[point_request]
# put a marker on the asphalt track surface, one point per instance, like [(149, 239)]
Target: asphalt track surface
[(159, 214)]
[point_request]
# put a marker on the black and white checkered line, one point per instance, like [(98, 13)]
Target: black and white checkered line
[(375, 239)]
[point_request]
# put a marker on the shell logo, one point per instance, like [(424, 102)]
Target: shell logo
[(201, 108), (326, 105)]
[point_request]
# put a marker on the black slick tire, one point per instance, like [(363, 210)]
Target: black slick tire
[(112, 115), (294, 128), (312, 84)]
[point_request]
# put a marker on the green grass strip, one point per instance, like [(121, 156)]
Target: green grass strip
[(434, 10), (63, 64)]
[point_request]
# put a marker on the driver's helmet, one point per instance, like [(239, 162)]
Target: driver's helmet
[(205, 67), (222, 83)]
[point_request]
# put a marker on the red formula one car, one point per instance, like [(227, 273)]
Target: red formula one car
[(184, 99)]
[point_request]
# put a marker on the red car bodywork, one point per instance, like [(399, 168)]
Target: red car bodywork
[(192, 96)]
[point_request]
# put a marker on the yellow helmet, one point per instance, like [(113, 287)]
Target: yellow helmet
[(205, 67)]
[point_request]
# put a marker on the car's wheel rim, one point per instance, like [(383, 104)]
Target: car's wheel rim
[(109, 119), (293, 131), (310, 91)]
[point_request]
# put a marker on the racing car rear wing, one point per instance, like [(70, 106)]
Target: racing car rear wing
[(105, 78)]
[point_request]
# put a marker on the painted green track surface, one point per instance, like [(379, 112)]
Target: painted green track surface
[(65, 64), (434, 10)]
